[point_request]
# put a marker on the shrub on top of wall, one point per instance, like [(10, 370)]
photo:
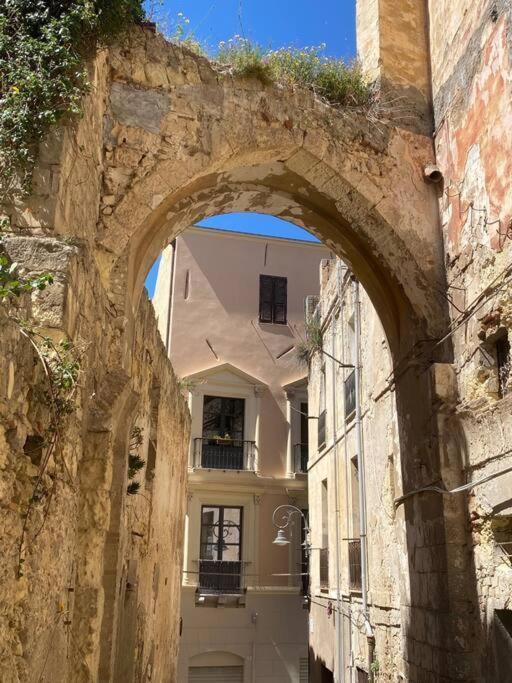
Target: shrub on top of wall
[(338, 82), (43, 47)]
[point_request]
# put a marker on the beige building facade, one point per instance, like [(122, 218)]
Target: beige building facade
[(357, 576), (234, 308)]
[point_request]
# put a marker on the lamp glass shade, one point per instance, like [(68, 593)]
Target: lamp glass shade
[(281, 539)]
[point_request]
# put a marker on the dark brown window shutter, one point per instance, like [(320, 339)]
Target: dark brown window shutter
[(273, 299), (266, 298)]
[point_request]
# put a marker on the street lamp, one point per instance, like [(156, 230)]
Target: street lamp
[(281, 519)]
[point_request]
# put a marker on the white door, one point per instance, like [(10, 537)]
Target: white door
[(216, 674)]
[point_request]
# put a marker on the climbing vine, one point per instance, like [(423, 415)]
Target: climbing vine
[(43, 48)]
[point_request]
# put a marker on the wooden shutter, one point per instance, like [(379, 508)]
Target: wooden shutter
[(273, 299), (266, 298), (216, 674), (280, 299)]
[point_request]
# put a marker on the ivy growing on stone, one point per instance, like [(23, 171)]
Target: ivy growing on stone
[(43, 48)]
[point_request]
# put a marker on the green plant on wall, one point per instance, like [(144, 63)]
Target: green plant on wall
[(12, 284), (339, 82), (43, 48), (135, 462)]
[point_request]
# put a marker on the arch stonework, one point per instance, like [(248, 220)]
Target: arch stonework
[(167, 139), (184, 141)]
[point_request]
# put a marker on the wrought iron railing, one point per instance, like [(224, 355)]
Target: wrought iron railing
[(221, 576), (350, 393), (224, 454), (301, 454), (354, 564), (324, 568), (321, 428)]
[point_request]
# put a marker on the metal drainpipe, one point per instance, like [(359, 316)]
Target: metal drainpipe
[(341, 295), (339, 620), (361, 472), (171, 294)]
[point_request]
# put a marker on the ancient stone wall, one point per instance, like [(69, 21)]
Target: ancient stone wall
[(471, 56), (98, 571)]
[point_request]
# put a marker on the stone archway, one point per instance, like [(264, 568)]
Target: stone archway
[(165, 140), (183, 141)]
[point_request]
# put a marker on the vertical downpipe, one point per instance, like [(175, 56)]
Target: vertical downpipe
[(341, 299), (338, 617), (361, 471), (171, 295)]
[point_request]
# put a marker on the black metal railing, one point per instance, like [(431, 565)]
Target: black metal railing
[(321, 428), (350, 393), (224, 454), (354, 564), (324, 568), (221, 576), (301, 454)]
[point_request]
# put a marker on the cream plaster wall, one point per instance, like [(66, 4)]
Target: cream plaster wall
[(219, 345), (385, 542), (222, 308)]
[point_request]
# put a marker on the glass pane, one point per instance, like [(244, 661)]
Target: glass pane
[(212, 410), (231, 531), (209, 552), (231, 553), (209, 525)]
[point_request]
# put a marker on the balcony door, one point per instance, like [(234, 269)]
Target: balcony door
[(220, 563), (223, 433)]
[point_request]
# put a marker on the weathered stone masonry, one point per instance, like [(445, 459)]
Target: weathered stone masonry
[(167, 139)]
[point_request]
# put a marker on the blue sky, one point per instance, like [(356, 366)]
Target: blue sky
[(272, 23)]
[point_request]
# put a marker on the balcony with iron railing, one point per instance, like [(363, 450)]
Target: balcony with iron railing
[(224, 454), (324, 569), (300, 455), (221, 577), (354, 564), (350, 394)]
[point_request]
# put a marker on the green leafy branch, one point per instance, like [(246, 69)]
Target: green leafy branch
[(44, 45), (314, 343), (12, 284)]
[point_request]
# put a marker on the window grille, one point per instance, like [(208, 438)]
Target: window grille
[(303, 670)]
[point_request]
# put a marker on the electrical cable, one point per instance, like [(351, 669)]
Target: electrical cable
[(458, 489)]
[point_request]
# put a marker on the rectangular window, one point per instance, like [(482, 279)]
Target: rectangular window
[(221, 533), (273, 299), (220, 562), (223, 418)]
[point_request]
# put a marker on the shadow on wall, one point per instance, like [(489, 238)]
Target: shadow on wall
[(318, 670)]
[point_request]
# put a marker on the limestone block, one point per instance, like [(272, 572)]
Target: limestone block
[(139, 107)]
